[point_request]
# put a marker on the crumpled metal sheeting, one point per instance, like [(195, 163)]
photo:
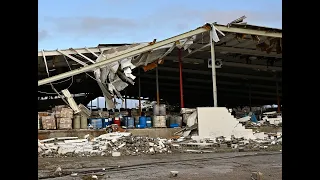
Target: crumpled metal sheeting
[(128, 72), (127, 63), (148, 57), (104, 74), (124, 77), (115, 51), (118, 84), (112, 88)]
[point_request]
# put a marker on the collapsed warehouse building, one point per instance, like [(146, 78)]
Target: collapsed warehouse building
[(247, 63), (250, 73)]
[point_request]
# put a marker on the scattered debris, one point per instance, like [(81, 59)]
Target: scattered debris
[(58, 171), (74, 174), (256, 176), (174, 173)]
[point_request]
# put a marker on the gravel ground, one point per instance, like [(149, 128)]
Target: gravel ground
[(220, 166)]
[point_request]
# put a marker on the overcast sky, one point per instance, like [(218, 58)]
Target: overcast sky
[(79, 23)]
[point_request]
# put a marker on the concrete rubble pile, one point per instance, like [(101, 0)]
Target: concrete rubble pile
[(195, 144), (111, 144), (220, 129)]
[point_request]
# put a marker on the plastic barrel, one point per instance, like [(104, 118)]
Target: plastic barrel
[(172, 121), (96, 123), (148, 123), (179, 120), (76, 122), (104, 122), (174, 125), (110, 121), (125, 121), (142, 121), (130, 122), (117, 121), (83, 121)]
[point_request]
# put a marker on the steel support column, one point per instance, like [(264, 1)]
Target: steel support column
[(157, 85), (278, 98), (181, 82), (125, 99), (250, 95), (98, 102), (213, 68), (139, 88)]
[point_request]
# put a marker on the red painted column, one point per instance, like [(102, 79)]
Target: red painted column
[(181, 83)]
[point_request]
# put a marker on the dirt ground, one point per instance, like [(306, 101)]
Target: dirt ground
[(220, 166)]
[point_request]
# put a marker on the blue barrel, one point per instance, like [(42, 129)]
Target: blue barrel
[(110, 121), (125, 121), (96, 123), (149, 124), (90, 119), (104, 123), (130, 122), (174, 125), (142, 121)]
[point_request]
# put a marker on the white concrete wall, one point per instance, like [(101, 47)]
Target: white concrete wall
[(217, 121)]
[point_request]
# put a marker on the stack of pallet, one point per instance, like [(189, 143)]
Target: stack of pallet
[(64, 118)]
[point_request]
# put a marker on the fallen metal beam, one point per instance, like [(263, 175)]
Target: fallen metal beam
[(248, 31), (202, 29), (73, 58)]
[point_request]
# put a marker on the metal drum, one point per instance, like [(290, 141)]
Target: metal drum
[(159, 121), (83, 121), (76, 122), (156, 110), (162, 110)]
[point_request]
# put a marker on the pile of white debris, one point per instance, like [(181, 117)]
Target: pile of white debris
[(124, 144), (111, 144)]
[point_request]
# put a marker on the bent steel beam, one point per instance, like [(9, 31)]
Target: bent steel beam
[(152, 46)]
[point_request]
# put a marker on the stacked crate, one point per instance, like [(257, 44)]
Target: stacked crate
[(64, 118), (48, 122)]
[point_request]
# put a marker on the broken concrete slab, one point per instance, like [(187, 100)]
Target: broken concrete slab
[(224, 124)]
